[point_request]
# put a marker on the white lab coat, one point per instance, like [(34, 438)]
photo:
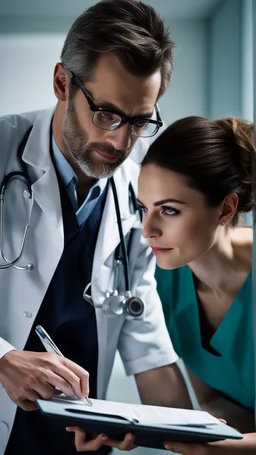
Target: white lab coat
[(142, 344)]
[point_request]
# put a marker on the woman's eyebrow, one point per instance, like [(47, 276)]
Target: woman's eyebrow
[(164, 201)]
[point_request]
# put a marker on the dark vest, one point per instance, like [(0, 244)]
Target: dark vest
[(71, 323)]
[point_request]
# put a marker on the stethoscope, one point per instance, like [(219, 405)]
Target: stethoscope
[(28, 194), (113, 304), (116, 304)]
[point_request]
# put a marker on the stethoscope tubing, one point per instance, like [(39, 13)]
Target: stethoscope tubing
[(121, 235), (22, 175)]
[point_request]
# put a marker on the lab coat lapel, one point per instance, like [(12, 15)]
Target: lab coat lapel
[(40, 167), (108, 239)]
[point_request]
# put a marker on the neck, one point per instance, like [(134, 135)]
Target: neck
[(230, 255)]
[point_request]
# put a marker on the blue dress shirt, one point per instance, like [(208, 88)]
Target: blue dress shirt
[(70, 180)]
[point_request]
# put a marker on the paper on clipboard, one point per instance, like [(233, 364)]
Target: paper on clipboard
[(144, 414)]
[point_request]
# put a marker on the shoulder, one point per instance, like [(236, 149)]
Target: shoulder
[(12, 127), (242, 241), (12, 130)]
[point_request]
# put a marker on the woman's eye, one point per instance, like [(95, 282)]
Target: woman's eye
[(141, 208), (170, 211)]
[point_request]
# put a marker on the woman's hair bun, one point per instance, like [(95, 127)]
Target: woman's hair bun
[(241, 135)]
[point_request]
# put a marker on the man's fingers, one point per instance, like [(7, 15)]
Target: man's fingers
[(126, 444), (75, 376), (223, 421), (26, 395), (99, 440), (85, 446), (29, 375), (83, 375), (59, 382), (45, 391), (27, 405)]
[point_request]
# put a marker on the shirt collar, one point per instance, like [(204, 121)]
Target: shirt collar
[(68, 174), (66, 171)]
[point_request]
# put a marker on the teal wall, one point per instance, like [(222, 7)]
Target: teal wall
[(230, 76), (224, 60)]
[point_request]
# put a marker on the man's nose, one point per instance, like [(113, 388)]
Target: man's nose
[(121, 138)]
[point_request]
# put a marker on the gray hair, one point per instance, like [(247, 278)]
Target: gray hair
[(130, 29)]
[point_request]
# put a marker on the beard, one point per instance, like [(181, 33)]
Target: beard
[(83, 152)]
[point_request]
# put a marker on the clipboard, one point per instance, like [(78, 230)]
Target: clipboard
[(148, 434)]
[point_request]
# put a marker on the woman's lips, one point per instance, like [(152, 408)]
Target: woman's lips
[(110, 159), (157, 250)]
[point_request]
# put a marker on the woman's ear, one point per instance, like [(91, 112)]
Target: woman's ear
[(229, 208), (61, 82)]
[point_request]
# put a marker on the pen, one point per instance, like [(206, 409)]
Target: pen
[(50, 346)]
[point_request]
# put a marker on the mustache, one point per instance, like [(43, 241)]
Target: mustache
[(106, 149)]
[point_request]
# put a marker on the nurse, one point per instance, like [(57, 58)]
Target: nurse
[(195, 183)]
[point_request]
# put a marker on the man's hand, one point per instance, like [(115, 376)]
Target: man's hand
[(98, 440), (27, 376)]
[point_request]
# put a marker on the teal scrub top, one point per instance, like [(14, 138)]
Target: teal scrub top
[(229, 367)]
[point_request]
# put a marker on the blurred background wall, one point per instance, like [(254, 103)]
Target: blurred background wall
[(213, 55), (213, 73)]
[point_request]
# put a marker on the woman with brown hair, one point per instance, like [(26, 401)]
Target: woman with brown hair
[(195, 182)]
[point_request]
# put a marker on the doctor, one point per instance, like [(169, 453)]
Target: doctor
[(115, 64)]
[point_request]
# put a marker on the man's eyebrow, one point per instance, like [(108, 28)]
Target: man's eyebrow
[(164, 201), (113, 108)]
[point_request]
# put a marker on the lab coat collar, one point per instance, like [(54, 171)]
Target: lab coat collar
[(36, 152), (41, 169)]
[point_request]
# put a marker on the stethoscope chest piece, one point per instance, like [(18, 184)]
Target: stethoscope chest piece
[(115, 305)]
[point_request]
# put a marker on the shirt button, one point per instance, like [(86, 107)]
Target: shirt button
[(27, 314)]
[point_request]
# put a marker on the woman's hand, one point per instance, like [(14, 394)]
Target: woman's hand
[(98, 440), (190, 449)]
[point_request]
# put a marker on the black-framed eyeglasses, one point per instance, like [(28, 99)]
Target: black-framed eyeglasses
[(111, 121)]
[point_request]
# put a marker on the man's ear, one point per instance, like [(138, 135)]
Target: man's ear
[(61, 82), (229, 208)]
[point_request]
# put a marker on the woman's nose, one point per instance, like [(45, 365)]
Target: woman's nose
[(150, 228)]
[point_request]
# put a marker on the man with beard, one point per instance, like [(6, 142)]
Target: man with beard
[(115, 64)]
